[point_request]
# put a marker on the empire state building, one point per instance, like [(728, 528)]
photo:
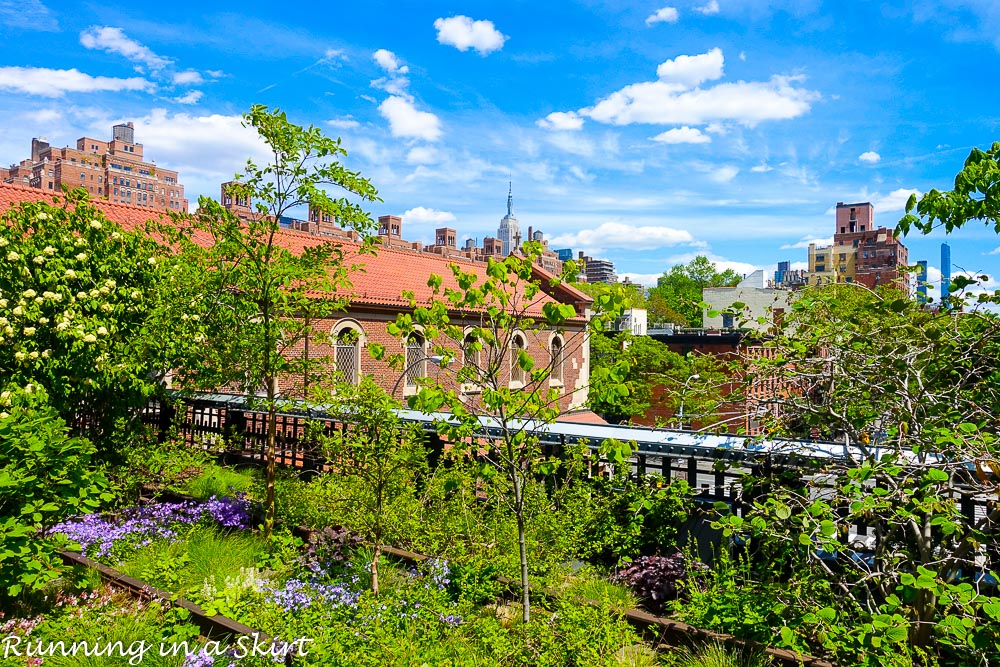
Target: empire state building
[(509, 232)]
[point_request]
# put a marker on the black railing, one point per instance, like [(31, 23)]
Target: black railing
[(227, 426)]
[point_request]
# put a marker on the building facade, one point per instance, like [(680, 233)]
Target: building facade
[(377, 297), (509, 231), (878, 256), (597, 270), (114, 170), (763, 306)]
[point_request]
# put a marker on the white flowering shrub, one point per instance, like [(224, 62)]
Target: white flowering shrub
[(78, 298)]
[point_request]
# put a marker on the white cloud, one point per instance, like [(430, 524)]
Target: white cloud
[(710, 7), (663, 15), (388, 61), (580, 174), (424, 215), (676, 100), (576, 144), (27, 15), (683, 135), (190, 97), (871, 157), (188, 78), (620, 235), (689, 71), (761, 168), (804, 243), (114, 40), (57, 82), (423, 155), (343, 123), (463, 33), (215, 73), (206, 150), (721, 263), (405, 120), (331, 55), (723, 174), (561, 120), (894, 201), (644, 279), (396, 82)]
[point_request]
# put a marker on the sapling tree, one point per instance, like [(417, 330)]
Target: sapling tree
[(257, 295), (379, 452), (500, 378), (911, 394)]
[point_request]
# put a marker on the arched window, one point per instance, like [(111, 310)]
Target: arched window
[(347, 339), (470, 355), (556, 369), (416, 363), (517, 374)]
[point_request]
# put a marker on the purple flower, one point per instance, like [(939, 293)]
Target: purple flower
[(297, 595), (139, 526), (200, 659)]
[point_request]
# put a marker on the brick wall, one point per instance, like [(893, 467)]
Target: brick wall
[(372, 324)]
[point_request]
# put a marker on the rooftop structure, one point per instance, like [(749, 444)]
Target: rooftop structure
[(114, 170)]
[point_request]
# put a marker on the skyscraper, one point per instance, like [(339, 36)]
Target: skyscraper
[(509, 232)]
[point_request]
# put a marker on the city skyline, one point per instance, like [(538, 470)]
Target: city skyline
[(643, 133)]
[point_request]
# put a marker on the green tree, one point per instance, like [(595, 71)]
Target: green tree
[(80, 313), (503, 387), (257, 300), (679, 290), (976, 196), (378, 451), (912, 395), (651, 364)]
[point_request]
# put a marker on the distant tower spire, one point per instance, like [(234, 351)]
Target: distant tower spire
[(510, 199)]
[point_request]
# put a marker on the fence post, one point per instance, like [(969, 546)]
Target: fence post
[(166, 420)]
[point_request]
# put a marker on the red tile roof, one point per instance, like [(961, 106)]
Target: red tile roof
[(582, 417), (381, 281)]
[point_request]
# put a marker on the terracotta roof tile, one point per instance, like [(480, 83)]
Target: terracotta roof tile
[(381, 281), (582, 417)]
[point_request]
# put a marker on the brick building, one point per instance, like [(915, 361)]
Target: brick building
[(861, 252), (113, 170), (376, 299)]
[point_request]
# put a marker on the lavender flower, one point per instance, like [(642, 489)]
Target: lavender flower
[(297, 595), (439, 572), (139, 526), (200, 659)]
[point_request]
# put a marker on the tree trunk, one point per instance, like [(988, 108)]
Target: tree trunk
[(272, 436), (522, 548), (374, 569)]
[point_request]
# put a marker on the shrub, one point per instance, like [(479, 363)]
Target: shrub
[(45, 476), (655, 579), (629, 518)]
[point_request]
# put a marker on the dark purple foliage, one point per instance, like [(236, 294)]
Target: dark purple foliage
[(654, 579), (328, 548)]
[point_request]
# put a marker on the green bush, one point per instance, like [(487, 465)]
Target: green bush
[(625, 518), (46, 476)]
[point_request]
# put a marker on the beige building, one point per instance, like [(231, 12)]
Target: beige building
[(831, 264), (763, 306)]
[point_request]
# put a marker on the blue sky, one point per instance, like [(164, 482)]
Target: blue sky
[(642, 132)]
